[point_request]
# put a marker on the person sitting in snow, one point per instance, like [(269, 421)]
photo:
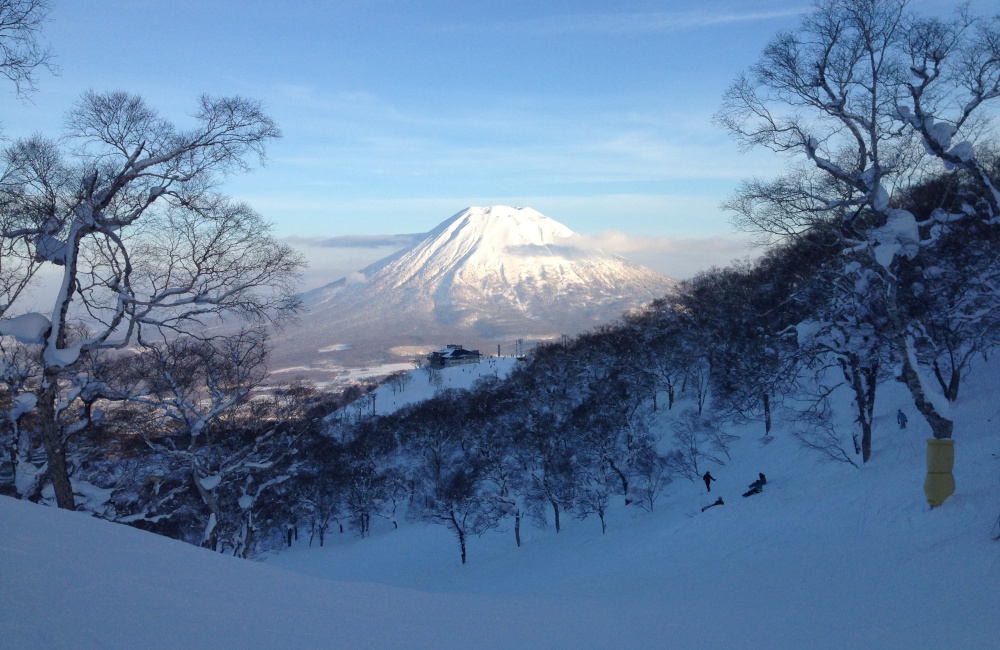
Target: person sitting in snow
[(718, 502), (901, 418), (757, 486)]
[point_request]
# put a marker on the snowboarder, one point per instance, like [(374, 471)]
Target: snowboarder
[(718, 502), (708, 480), (757, 486), (901, 418)]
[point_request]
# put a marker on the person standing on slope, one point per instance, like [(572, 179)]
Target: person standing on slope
[(708, 480)]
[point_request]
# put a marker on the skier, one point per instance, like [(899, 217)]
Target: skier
[(718, 502), (708, 480), (757, 486), (901, 418)]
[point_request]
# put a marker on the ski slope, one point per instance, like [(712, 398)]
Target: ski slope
[(828, 556)]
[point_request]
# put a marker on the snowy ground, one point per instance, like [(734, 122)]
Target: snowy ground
[(827, 557), (421, 384)]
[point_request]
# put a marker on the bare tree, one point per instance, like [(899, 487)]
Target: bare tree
[(450, 487), (697, 438), (230, 444), (850, 334), (870, 97), (146, 247), (815, 428), (21, 54), (658, 326), (398, 381), (17, 369), (543, 438)]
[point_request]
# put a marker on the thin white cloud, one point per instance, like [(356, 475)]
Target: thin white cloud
[(675, 257), (624, 23), (624, 244), (631, 23), (356, 241)]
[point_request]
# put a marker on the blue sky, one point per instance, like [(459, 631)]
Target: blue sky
[(397, 114)]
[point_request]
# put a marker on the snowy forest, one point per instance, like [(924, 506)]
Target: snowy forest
[(138, 396)]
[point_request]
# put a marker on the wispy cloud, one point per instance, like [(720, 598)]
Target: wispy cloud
[(675, 257), (357, 241), (620, 23), (625, 244)]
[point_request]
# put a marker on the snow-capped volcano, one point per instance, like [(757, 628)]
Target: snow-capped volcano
[(482, 278)]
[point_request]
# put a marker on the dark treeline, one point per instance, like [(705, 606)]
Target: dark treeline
[(173, 439)]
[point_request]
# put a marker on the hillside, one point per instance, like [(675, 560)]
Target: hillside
[(483, 278), (828, 556)]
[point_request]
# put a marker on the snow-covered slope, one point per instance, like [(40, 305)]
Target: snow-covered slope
[(483, 278), (420, 385), (827, 557)]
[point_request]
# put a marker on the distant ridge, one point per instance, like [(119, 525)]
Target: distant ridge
[(484, 277)]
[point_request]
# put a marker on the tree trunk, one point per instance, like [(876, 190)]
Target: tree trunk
[(555, 512), (248, 538), (55, 452), (211, 538), (941, 427), (517, 527), (622, 478), (950, 387), (767, 414), (458, 531), (871, 379), (862, 382), (28, 480)]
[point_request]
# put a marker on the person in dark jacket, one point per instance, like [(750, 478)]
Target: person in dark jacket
[(757, 486), (901, 418), (718, 502), (708, 480)]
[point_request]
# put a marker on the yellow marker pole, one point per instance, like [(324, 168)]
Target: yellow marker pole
[(940, 483)]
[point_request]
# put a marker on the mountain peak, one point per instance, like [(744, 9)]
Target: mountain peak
[(491, 236), (500, 226), (483, 277)]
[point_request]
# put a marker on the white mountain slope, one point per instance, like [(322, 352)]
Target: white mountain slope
[(485, 277)]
